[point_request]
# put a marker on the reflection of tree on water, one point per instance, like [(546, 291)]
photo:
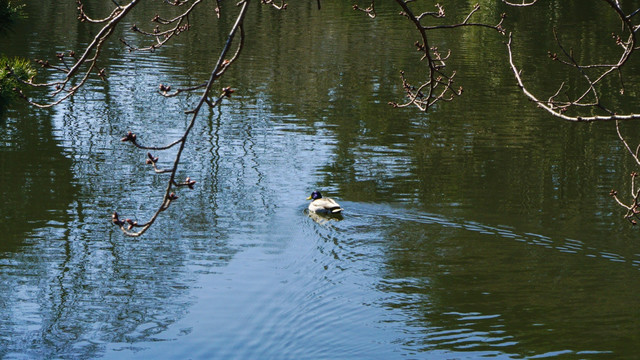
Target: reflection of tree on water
[(66, 287), (37, 181), (79, 294)]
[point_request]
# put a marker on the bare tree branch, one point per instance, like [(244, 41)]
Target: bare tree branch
[(370, 10), (88, 59), (587, 105), (221, 66), (590, 100), (439, 85), (181, 24), (522, 4)]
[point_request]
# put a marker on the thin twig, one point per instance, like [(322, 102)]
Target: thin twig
[(127, 225)]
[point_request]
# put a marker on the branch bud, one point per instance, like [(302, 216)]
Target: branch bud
[(129, 137), (151, 159), (43, 63), (226, 92), (115, 220), (131, 224), (189, 182)]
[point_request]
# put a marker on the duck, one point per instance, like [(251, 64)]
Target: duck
[(322, 205)]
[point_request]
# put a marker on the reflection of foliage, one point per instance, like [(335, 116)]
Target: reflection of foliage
[(11, 69), (590, 100), (12, 73), (8, 15), (586, 101)]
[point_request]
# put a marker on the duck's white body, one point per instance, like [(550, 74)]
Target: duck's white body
[(325, 205), (322, 205)]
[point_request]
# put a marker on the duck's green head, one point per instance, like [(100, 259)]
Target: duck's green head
[(315, 195)]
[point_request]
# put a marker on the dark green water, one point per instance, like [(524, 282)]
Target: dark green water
[(481, 229)]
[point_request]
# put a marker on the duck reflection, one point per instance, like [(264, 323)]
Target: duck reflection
[(323, 218)]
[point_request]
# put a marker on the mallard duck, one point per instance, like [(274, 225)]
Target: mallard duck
[(322, 205)]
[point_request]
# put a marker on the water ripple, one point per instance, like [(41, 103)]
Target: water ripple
[(564, 245)]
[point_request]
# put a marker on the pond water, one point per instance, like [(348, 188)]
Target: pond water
[(480, 229)]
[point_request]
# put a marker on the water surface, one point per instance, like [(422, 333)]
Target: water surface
[(480, 229)]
